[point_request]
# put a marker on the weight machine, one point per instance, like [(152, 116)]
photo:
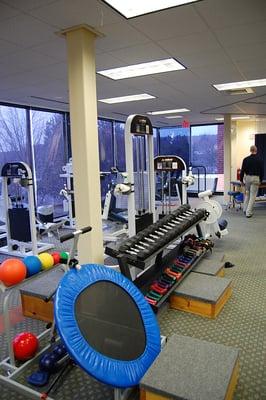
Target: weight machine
[(68, 193), (2, 215), (109, 210), (139, 142), (20, 221), (166, 166)]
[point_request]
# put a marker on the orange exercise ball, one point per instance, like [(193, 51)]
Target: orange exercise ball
[(12, 271)]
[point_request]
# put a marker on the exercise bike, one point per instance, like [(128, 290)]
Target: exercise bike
[(213, 225)]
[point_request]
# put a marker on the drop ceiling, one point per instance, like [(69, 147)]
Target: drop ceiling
[(217, 40)]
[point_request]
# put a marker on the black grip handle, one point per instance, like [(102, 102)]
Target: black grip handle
[(71, 235)]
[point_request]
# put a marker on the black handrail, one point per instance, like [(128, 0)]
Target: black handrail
[(198, 173)]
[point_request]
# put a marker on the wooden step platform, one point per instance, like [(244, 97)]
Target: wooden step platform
[(34, 293), (202, 294), (211, 264), (191, 369)]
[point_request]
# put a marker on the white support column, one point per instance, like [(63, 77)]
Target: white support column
[(84, 139), (227, 156)]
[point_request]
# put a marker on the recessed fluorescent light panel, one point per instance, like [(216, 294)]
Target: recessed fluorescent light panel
[(148, 68), (240, 85), (234, 118), (174, 116), (124, 99), (130, 9), (168, 111)]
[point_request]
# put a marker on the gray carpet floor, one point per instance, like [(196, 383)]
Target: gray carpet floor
[(241, 324)]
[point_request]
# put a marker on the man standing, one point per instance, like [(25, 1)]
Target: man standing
[(251, 175)]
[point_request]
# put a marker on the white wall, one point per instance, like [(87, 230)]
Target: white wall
[(245, 137)]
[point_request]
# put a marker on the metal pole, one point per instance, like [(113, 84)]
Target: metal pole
[(8, 328), (142, 169), (5, 194)]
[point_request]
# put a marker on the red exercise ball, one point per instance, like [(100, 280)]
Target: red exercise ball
[(56, 257), (12, 271), (25, 346)]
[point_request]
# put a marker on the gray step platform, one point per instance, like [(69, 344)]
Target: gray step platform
[(192, 369), (211, 265), (203, 287), (45, 285), (202, 294)]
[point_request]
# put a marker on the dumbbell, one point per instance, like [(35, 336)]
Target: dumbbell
[(158, 289), (176, 275), (150, 301), (154, 295), (161, 284), (169, 280), (178, 268)]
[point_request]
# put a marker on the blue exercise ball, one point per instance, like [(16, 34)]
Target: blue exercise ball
[(33, 265)]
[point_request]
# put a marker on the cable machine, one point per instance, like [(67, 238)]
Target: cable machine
[(168, 165), (68, 193), (20, 221), (141, 199)]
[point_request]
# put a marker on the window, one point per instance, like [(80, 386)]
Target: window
[(155, 142), (106, 152), (207, 150), (14, 143), (49, 157), (175, 141), (120, 152), (105, 134)]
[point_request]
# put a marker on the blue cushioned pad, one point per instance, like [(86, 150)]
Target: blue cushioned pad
[(117, 373)]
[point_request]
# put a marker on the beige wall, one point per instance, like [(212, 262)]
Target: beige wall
[(245, 137)]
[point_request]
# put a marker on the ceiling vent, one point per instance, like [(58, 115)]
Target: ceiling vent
[(233, 92)]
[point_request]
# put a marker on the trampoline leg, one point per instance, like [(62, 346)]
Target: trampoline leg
[(122, 394)]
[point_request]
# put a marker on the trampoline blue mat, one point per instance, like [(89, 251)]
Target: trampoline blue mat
[(117, 373)]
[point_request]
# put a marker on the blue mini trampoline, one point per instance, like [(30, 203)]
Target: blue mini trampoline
[(106, 324)]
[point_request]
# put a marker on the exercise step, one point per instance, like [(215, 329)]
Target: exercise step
[(191, 369), (34, 293), (212, 264), (202, 294)]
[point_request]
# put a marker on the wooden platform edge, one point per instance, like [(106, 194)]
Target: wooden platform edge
[(233, 382), (36, 308), (146, 395)]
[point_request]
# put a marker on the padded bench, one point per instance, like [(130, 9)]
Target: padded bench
[(191, 369), (202, 294)]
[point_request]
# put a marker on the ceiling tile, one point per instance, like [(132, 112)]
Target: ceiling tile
[(7, 48), (242, 34), (54, 71), (141, 53), (26, 5), (107, 61), (221, 73), (178, 21), (25, 31), (7, 12), (191, 44), (207, 59), (246, 52), (226, 13), (55, 49), (66, 13), (118, 36), (26, 60)]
